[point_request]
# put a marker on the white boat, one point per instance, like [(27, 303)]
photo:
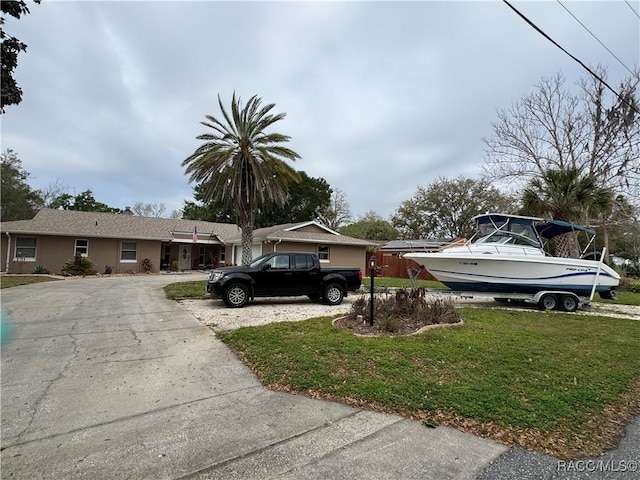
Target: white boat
[(507, 255)]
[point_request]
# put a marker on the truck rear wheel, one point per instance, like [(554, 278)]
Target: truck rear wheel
[(236, 295), (333, 294)]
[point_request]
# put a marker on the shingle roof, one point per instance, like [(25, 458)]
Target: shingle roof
[(414, 245), (289, 231), (110, 225)]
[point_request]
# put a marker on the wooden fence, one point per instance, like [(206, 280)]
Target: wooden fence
[(396, 267)]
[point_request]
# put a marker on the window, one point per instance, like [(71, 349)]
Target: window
[(25, 249), (201, 256), (128, 252), (82, 246), (223, 254), (323, 252), (303, 262), (279, 262)]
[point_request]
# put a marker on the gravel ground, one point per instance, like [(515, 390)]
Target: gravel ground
[(262, 311)]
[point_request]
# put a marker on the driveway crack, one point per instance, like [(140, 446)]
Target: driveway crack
[(33, 412)]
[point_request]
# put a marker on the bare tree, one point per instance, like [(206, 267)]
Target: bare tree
[(52, 191), (149, 209), (592, 131), (338, 213)]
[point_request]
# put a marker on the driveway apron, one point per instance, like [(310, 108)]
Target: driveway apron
[(106, 378)]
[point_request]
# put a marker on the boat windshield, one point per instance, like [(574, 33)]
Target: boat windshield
[(509, 234)]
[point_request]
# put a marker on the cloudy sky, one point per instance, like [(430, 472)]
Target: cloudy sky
[(380, 97)]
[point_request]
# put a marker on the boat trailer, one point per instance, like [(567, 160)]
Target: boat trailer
[(545, 299)]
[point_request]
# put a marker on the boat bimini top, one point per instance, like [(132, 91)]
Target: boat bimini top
[(533, 231)]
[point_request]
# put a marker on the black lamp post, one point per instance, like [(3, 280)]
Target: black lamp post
[(373, 260)]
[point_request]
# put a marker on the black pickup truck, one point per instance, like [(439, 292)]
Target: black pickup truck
[(281, 274)]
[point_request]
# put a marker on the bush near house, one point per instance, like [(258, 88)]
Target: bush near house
[(40, 269), (79, 265)]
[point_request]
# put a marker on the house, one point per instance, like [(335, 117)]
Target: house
[(331, 247), (126, 242)]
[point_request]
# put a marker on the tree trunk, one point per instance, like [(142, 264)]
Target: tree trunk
[(567, 246), (247, 245)]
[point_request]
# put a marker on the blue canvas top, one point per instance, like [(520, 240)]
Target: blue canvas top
[(546, 228)]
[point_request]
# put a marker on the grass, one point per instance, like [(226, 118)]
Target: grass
[(194, 289), (7, 281), (622, 298), (554, 382)]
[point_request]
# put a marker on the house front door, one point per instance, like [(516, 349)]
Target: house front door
[(184, 261)]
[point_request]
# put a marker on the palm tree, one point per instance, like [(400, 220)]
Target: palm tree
[(567, 195), (240, 163)]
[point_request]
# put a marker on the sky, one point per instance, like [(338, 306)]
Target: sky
[(380, 97)]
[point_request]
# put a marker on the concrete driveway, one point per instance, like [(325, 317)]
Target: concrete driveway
[(105, 378)]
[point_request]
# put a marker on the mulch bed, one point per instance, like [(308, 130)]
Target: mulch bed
[(403, 326)]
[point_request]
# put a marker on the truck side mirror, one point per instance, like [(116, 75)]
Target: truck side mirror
[(266, 266)]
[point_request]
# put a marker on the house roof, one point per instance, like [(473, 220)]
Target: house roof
[(415, 245), (312, 232), (111, 225)]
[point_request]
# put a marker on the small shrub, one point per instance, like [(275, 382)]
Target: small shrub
[(406, 306), (108, 269), (40, 269), (629, 285), (79, 265), (174, 266), (388, 323), (147, 265), (359, 306), (442, 310)]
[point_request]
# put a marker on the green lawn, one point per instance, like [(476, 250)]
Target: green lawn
[(194, 289), (538, 379), (7, 281)]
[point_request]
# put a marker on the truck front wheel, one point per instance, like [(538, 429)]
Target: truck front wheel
[(236, 295), (333, 294)]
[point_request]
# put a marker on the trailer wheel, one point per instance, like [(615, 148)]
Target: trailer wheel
[(548, 301), (569, 303)]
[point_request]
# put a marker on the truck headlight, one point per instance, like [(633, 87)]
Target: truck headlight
[(215, 276)]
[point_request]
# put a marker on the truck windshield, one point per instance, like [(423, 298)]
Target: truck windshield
[(258, 261)]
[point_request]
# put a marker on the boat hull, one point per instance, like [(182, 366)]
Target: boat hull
[(516, 274)]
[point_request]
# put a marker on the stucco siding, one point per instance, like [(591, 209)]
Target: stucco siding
[(54, 251), (295, 247), (347, 256)]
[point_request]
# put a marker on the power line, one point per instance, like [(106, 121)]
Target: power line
[(535, 27), (597, 39), (632, 9)]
